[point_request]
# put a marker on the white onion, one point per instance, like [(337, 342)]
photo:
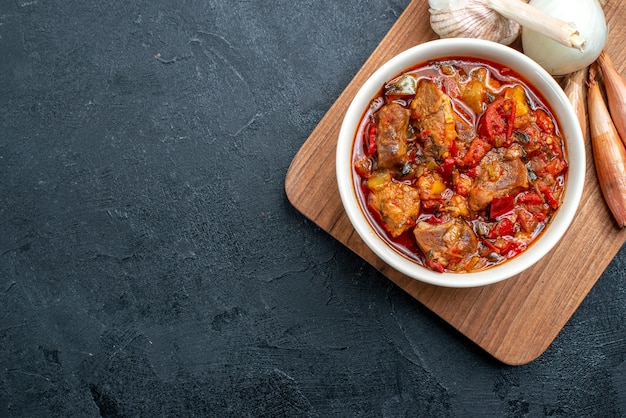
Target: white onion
[(558, 59)]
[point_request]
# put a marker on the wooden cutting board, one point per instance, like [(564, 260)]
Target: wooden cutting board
[(515, 320)]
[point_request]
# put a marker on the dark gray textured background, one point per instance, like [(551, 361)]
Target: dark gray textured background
[(150, 264)]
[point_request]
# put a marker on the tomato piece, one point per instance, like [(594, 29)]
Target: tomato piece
[(501, 206), (544, 122), (476, 151), (526, 220), (492, 124), (462, 185), (498, 122), (556, 166)]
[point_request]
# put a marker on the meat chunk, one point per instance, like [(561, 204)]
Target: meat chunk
[(500, 175), (448, 243), (392, 123), (432, 109), (398, 205)]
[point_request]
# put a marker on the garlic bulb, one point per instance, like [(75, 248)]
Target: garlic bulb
[(498, 20), (471, 19), (588, 17)]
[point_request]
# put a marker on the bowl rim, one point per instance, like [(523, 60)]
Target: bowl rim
[(536, 76)]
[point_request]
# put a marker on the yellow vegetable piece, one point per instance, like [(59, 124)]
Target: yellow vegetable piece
[(436, 189), (518, 95), (378, 180)]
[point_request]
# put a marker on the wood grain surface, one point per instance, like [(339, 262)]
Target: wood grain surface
[(515, 320)]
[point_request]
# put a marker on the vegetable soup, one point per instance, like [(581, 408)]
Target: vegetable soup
[(459, 164)]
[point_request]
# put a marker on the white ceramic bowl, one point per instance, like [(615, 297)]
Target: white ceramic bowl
[(537, 77)]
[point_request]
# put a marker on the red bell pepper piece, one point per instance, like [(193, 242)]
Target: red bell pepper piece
[(492, 247), (550, 199), (446, 168), (507, 248), (530, 198), (512, 248), (453, 149), (371, 145), (502, 228), (434, 265), (501, 206)]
